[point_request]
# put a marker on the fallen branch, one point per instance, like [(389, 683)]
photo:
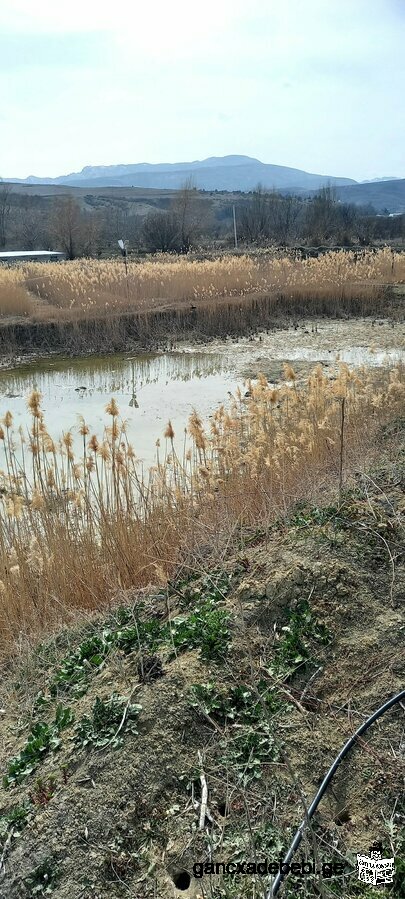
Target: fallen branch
[(4, 853), (204, 794)]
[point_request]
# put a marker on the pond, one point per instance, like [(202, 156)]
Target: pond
[(151, 388)]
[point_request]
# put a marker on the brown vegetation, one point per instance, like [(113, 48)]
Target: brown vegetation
[(76, 526), (91, 287), (14, 298), (86, 305)]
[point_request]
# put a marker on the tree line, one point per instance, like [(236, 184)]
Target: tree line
[(188, 220)]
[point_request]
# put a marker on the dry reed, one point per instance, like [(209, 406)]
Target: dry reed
[(75, 527), (88, 287), (14, 298)]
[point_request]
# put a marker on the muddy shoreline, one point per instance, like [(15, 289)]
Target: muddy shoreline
[(162, 329)]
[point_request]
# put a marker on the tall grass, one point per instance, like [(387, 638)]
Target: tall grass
[(88, 305), (88, 287), (77, 527), (14, 298)]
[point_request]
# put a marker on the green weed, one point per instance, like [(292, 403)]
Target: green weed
[(43, 879), (213, 588), (293, 646), (15, 819), (107, 724), (248, 751), (304, 515), (76, 667), (206, 628), (240, 704), (43, 790), (248, 713), (43, 739), (142, 635)]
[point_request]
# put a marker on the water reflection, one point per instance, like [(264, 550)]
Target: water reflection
[(149, 390), (153, 387)]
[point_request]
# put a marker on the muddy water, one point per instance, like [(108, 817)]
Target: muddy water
[(152, 388)]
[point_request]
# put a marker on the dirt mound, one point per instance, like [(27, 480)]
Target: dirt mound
[(245, 680)]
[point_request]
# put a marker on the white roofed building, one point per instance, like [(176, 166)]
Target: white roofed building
[(11, 257)]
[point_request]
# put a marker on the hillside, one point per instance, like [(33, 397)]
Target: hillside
[(380, 194)]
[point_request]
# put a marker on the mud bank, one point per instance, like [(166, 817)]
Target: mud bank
[(161, 327)]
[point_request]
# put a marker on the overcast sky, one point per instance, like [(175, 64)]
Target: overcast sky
[(313, 84)]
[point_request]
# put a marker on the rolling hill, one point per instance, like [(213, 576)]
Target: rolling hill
[(382, 195)]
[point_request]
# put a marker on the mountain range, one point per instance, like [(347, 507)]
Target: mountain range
[(226, 173), (216, 173)]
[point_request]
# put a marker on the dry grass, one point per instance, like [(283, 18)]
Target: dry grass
[(89, 288), (14, 299), (77, 527)]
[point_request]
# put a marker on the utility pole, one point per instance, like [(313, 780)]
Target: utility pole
[(234, 227)]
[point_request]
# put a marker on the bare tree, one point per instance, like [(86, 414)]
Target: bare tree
[(255, 217), (66, 224), (5, 207), (90, 235), (75, 232), (28, 222), (321, 218), (285, 214), (161, 231), (192, 214), (347, 216)]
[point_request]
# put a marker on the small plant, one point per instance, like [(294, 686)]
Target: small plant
[(147, 635), (44, 738), (43, 879), (248, 751), (304, 515), (107, 724), (241, 704), (41, 702), (205, 628), (15, 819), (207, 698), (74, 670), (250, 743), (43, 790), (294, 641), (212, 588), (268, 839)]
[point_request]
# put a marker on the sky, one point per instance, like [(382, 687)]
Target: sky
[(313, 84)]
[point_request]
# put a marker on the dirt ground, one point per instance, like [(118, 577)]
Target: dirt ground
[(250, 677)]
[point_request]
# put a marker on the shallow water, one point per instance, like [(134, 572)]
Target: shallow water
[(151, 388)]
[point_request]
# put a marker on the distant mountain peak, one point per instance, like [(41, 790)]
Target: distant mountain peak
[(377, 180), (230, 173)]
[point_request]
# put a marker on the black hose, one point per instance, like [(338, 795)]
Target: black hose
[(328, 777)]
